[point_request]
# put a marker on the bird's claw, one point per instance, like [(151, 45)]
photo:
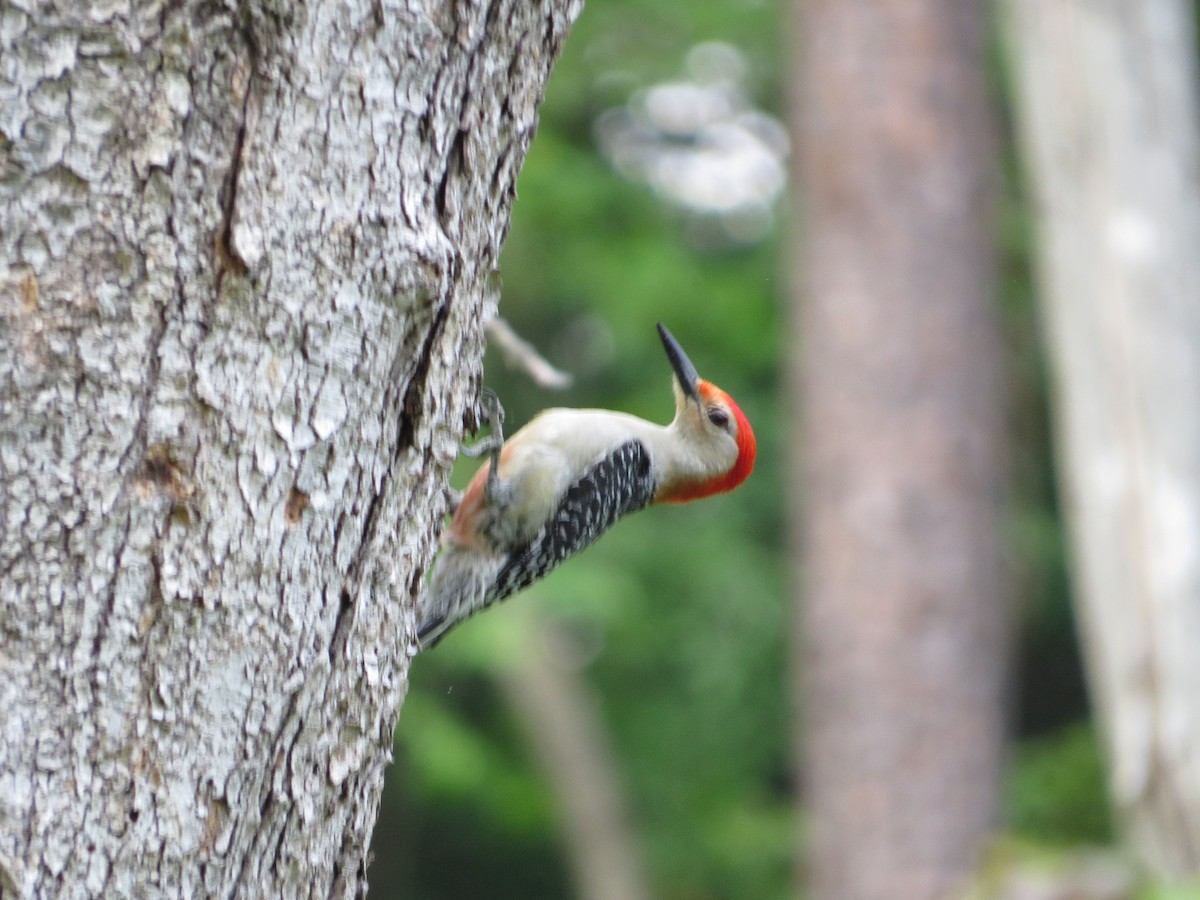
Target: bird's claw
[(493, 416), (490, 411)]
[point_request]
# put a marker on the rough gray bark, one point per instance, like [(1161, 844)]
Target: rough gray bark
[(244, 266), (902, 633), (1110, 119)]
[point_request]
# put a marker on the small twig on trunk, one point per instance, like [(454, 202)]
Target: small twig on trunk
[(520, 354)]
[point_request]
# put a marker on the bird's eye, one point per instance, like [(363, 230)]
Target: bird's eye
[(718, 417)]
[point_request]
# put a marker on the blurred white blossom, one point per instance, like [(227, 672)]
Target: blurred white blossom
[(701, 145)]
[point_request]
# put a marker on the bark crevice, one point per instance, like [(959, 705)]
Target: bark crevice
[(228, 255)]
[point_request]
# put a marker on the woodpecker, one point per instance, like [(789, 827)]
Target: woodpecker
[(561, 481)]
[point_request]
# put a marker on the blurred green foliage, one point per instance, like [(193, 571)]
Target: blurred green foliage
[(1056, 791), (1172, 892), (683, 613)]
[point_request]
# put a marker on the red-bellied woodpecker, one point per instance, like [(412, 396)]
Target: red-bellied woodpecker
[(557, 484)]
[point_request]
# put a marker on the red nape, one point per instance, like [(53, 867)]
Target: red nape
[(741, 469)]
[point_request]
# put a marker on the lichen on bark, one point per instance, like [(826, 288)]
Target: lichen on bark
[(245, 263)]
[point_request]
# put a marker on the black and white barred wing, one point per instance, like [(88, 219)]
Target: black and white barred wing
[(620, 483), (465, 582)]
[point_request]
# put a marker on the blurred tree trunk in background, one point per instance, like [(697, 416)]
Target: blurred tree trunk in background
[(1108, 109), (565, 726), (244, 268), (902, 633)]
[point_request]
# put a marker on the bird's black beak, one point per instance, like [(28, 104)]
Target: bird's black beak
[(684, 370)]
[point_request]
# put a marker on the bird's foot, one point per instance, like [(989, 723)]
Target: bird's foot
[(492, 414)]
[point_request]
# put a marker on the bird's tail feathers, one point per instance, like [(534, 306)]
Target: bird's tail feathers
[(458, 588)]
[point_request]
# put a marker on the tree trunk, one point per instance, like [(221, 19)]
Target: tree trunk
[(566, 731), (902, 629), (1108, 112), (244, 265)]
